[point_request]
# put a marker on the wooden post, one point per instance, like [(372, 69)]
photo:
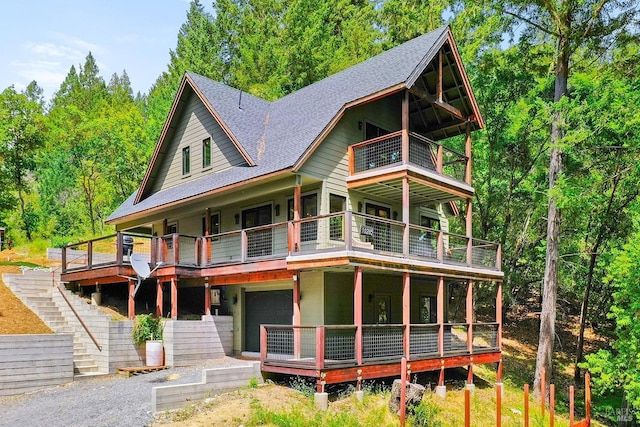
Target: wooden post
[(357, 312), (469, 232), (89, 254), (552, 404), (467, 408), (440, 315), (543, 390), (153, 256), (320, 334), (297, 337), (174, 298), (405, 128), (467, 152), (244, 246), (571, 406), (159, 298), (439, 160), (176, 248), (499, 315), (297, 196), (439, 81), (207, 297), (405, 215), (131, 306), (469, 316), (440, 246), (526, 405), (587, 397), (403, 391), (406, 313), (64, 259), (263, 344), (119, 253), (499, 373), (498, 405), (348, 230)]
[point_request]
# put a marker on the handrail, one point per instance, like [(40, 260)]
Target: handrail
[(429, 141), (377, 139), (73, 309)]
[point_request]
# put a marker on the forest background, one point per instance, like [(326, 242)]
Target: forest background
[(556, 172)]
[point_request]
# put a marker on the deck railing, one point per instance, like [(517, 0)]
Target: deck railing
[(339, 231), (387, 151), (323, 346)]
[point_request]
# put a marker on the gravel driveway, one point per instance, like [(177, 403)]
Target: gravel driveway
[(98, 401)]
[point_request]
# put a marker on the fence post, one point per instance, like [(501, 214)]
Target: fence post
[(320, 350), (571, 406), (587, 397), (498, 405), (403, 391), (526, 405), (543, 390), (552, 403), (467, 408)]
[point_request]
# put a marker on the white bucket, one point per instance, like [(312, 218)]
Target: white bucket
[(154, 353)]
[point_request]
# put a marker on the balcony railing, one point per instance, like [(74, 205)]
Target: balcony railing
[(387, 150), (340, 231), (319, 347)]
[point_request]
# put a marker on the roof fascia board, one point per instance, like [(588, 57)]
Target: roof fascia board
[(230, 187), (355, 103), (221, 122), (163, 134)]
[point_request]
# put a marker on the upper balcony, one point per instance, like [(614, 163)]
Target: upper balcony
[(324, 238), (438, 174)]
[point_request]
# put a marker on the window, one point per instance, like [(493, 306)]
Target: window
[(172, 228), (372, 131), (259, 242), (215, 224), (336, 228), (186, 160), (206, 153)]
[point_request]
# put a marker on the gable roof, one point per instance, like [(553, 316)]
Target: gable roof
[(279, 136)]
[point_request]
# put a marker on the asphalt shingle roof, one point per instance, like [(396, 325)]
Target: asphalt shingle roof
[(286, 128)]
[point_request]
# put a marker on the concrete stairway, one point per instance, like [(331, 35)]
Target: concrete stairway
[(36, 290)]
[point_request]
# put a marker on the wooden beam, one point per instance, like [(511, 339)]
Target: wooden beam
[(207, 297), (440, 314), (453, 111), (258, 276), (406, 313), (159, 298), (467, 153), (297, 337), (174, 298), (405, 127), (131, 306), (406, 207), (469, 315)]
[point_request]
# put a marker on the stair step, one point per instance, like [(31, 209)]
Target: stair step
[(85, 369)]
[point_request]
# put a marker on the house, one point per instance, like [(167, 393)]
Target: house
[(333, 224)]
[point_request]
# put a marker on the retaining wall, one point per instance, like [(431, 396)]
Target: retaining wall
[(33, 362), (188, 342), (214, 381)]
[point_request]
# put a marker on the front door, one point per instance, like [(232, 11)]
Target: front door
[(259, 242), (381, 230), (266, 308)]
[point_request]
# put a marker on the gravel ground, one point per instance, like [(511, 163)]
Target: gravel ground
[(107, 401)]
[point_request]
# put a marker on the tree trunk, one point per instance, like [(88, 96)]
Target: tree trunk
[(550, 284)]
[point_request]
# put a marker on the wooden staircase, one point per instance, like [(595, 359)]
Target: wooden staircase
[(37, 291)]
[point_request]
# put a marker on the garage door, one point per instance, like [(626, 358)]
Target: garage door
[(270, 307)]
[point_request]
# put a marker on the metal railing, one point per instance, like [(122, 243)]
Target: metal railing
[(337, 231), (386, 150), (321, 346)]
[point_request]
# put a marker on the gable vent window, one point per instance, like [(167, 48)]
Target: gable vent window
[(186, 160), (206, 152)]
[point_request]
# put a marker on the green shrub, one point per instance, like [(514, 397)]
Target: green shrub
[(146, 327), (424, 414)]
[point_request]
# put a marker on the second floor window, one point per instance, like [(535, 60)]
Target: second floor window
[(206, 152), (186, 160)]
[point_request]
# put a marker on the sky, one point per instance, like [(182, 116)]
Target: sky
[(41, 39)]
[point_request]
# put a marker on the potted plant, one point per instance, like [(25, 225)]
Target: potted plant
[(147, 329)]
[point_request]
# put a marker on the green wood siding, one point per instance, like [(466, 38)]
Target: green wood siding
[(193, 126)]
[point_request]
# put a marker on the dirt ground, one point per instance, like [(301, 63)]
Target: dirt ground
[(15, 317)]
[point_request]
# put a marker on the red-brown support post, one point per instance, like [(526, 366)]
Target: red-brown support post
[(244, 245), (571, 406), (499, 315), (153, 255), (348, 230), (467, 152), (469, 232), (441, 376), (297, 337), (439, 160), (263, 344), (470, 374), (469, 316), (357, 312), (403, 391), (406, 313), (526, 405), (64, 259), (587, 397), (499, 374), (320, 333), (405, 215), (89, 254), (440, 315), (207, 297), (552, 404), (405, 128), (131, 306), (440, 247), (498, 405), (174, 298), (119, 253), (159, 298), (439, 81), (467, 408), (297, 198), (543, 390)]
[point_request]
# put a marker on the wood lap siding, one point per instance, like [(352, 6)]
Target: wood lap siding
[(330, 161), (194, 125)]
